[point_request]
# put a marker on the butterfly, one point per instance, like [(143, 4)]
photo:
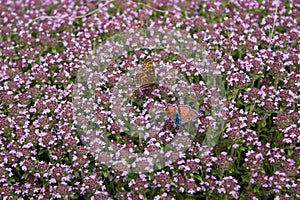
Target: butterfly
[(181, 114), (147, 77), (143, 23)]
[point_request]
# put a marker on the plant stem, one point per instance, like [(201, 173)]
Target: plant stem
[(77, 17), (275, 18)]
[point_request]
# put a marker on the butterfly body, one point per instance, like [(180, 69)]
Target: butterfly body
[(177, 119), (147, 77), (181, 114)]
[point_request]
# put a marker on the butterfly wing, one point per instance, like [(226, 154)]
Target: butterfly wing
[(139, 24), (140, 79), (148, 69), (193, 115), (171, 111), (147, 78), (186, 113), (143, 23)]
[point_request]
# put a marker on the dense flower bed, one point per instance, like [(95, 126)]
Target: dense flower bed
[(253, 44)]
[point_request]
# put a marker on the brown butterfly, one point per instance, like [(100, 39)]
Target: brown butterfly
[(147, 77), (143, 23), (181, 114)]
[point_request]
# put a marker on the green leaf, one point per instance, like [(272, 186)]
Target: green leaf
[(198, 177), (42, 151), (26, 175), (263, 123)]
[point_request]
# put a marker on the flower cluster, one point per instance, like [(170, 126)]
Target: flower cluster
[(242, 144)]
